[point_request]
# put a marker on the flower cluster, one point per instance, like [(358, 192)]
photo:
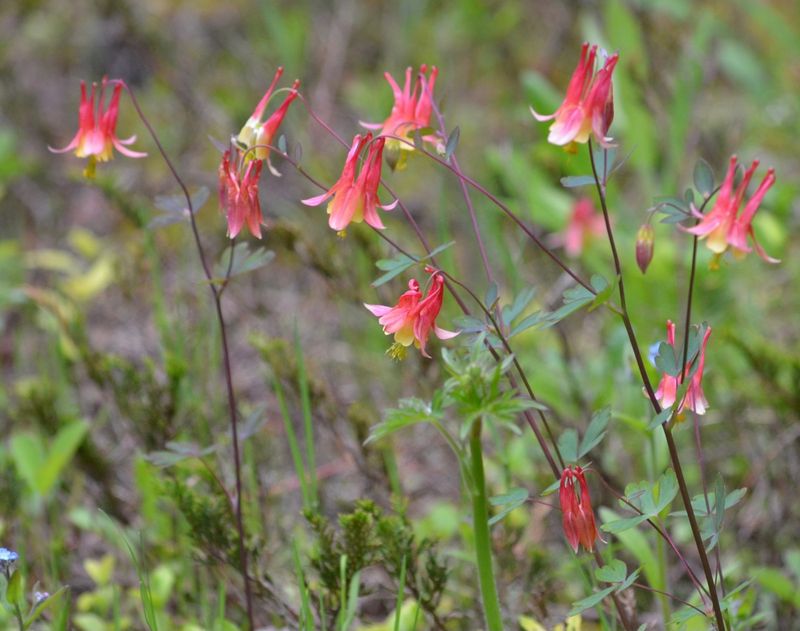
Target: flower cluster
[(96, 138), (695, 399), (576, 509), (411, 112), (588, 108), (414, 316), (355, 198), (240, 168), (721, 227)]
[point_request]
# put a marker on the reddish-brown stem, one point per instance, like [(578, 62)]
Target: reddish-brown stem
[(672, 447), (695, 419), (668, 595), (464, 191), (216, 294), (662, 533)]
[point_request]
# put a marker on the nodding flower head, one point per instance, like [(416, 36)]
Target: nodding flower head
[(588, 107), (722, 228), (667, 390), (355, 198), (255, 137), (585, 223), (411, 111), (413, 317), (238, 193), (576, 508), (96, 137)]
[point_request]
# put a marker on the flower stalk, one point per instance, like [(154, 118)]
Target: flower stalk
[(600, 184), (231, 394), (480, 528)]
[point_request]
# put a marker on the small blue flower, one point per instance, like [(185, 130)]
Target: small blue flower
[(653, 352), (7, 559), (40, 596), (8, 556)]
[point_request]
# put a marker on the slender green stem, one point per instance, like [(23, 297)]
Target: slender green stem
[(18, 616), (294, 447), (480, 526), (308, 425)]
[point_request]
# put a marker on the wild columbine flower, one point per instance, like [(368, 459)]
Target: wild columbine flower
[(355, 199), (722, 228), (238, 193), (576, 509), (255, 135), (411, 111), (667, 390), (413, 317), (588, 108), (96, 138), (584, 223)]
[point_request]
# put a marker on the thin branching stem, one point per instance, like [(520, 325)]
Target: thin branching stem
[(695, 420), (462, 305), (600, 184)]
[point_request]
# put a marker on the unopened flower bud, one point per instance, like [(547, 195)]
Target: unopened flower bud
[(644, 246)]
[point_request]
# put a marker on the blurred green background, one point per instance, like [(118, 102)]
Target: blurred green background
[(107, 330)]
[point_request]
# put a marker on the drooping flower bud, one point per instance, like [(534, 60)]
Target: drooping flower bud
[(576, 508), (644, 246)]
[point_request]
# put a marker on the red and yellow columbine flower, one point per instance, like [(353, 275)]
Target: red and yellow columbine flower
[(667, 390), (576, 509), (584, 223), (411, 111), (238, 193), (96, 138), (722, 228), (256, 135), (588, 107), (355, 199), (413, 317)]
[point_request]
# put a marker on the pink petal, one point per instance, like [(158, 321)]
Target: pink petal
[(566, 127), (378, 310), (70, 147), (542, 117), (760, 250), (128, 152), (316, 201), (444, 334)]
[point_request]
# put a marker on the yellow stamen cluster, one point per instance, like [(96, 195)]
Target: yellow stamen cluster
[(397, 351)]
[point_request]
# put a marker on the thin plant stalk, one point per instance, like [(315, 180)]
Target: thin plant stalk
[(480, 528), (294, 447), (308, 425), (695, 420), (231, 395), (401, 588), (672, 447)]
